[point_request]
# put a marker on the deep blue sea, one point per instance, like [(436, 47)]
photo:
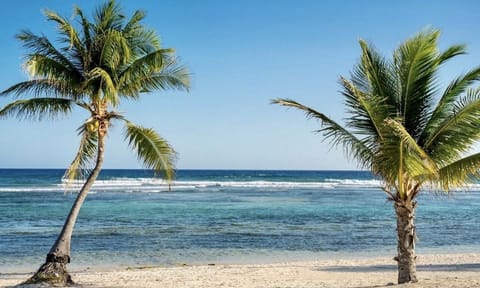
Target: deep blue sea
[(221, 216)]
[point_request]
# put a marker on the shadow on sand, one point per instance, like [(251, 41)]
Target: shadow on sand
[(473, 267)]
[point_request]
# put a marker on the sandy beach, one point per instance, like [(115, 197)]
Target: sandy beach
[(447, 270)]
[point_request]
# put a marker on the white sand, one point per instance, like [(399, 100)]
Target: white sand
[(447, 270)]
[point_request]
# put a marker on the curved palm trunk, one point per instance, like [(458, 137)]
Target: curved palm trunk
[(407, 267), (54, 270)]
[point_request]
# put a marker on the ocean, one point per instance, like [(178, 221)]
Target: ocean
[(131, 218)]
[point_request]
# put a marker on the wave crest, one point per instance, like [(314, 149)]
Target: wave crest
[(159, 185)]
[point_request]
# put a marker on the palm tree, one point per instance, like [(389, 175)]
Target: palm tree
[(98, 64), (406, 129)]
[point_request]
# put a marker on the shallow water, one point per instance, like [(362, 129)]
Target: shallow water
[(131, 218)]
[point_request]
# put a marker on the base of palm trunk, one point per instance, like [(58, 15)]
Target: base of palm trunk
[(52, 273)]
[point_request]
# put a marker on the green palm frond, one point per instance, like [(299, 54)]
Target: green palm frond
[(157, 70), (66, 29), (40, 66), (444, 108), (87, 36), (37, 108), (132, 78), (39, 87), (152, 150), (134, 22), (108, 17), (115, 116), (370, 96), (338, 135), (54, 73), (40, 45), (416, 62), (154, 61), (172, 77), (87, 152), (116, 50), (459, 172), (457, 133), (367, 111), (144, 40), (418, 162), (452, 51), (107, 85), (373, 75)]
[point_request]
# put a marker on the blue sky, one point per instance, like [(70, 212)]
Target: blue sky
[(241, 55)]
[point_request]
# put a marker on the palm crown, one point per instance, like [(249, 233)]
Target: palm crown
[(97, 66), (401, 125)]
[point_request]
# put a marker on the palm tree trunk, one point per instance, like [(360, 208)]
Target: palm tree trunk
[(407, 267), (54, 270)]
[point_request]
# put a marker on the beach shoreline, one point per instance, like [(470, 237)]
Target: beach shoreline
[(434, 270)]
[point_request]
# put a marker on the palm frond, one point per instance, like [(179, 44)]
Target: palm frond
[(76, 51), (459, 131), (452, 51), (144, 66), (144, 40), (134, 22), (418, 159), (37, 108), (465, 170), (170, 77), (338, 135), (40, 87), (416, 62), (115, 116), (66, 29), (367, 111), (177, 77), (152, 150), (445, 106), (39, 66), (370, 96), (108, 17), (373, 76), (87, 152), (107, 85), (115, 51), (87, 36), (40, 45)]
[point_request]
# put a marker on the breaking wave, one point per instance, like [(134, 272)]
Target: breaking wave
[(159, 185)]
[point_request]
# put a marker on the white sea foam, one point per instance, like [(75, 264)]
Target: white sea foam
[(356, 182), (30, 189), (150, 184), (159, 185)]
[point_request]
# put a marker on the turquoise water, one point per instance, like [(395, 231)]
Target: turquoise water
[(131, 218)]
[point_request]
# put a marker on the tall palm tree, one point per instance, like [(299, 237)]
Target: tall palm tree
[(96, 66), (406, 129)]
